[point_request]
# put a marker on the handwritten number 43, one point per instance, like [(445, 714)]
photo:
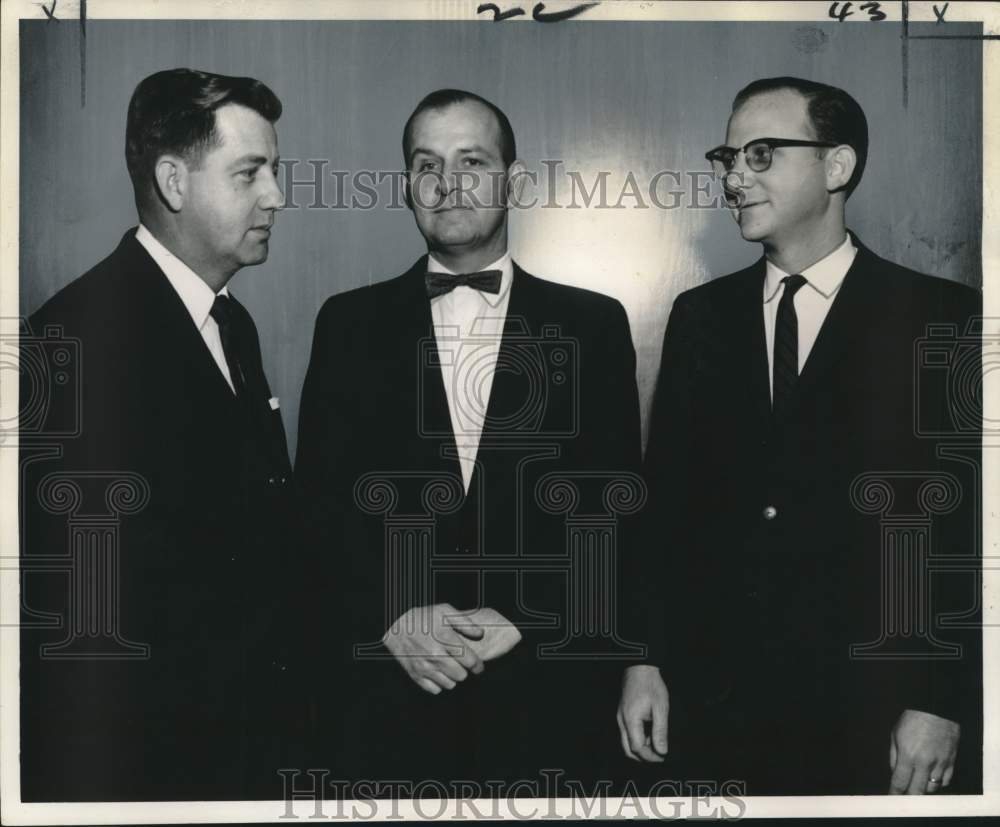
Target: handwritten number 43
[(841, 11)]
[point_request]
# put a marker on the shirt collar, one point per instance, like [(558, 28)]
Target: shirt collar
[(824, 276), (504, 264), (197, 296)]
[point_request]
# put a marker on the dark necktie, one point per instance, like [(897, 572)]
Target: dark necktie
[(786, 346), (487, 281), (242, 348), (239, 343)]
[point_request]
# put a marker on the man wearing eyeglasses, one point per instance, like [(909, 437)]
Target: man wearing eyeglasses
[(797, 626)]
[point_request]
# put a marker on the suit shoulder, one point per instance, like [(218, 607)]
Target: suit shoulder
[(720, 288), (356, 305), (574, 302), (938, 296), (84, 300)]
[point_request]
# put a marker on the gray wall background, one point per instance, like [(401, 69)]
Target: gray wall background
[(621, 97)]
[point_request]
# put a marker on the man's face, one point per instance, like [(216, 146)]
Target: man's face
[(790, 198), (231, 197), (458, 179)]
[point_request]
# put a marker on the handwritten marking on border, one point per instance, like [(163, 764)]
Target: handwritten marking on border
[(538, 13)]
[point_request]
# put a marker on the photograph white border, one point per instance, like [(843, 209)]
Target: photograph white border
[(14, 812)]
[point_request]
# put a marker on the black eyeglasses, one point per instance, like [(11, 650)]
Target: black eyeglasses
[(758, 153)]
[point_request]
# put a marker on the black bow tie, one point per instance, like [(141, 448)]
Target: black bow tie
[(488, 281)]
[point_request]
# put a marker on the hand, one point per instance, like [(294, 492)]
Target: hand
[(432, 643), (499, 634), (922, 751), (644, 699)]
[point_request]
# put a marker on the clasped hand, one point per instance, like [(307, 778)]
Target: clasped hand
[(439, 646)]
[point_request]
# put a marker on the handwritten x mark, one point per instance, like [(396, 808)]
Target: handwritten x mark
[(50, 13)]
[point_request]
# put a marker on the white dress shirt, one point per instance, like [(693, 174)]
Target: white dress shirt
[(468, 328), (812, 301), (197, 296)]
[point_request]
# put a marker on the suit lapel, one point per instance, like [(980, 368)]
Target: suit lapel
[(178, 342), (268, 425), (750, 326), (507, 394), (420, 374), (840, 326), (519, 311)]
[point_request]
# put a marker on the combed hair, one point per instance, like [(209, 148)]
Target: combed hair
[(836, 117), (443, 98), (173, 112)]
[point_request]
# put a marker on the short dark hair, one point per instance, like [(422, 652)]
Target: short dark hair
[(836, 117), (444, 98), (173, 111)]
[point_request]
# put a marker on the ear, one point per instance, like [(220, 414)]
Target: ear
[(171, 180), (840, 163), (517, 172)]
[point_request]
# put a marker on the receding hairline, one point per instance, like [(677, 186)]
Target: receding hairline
[(247, 110), (739, 104), (411, 125)]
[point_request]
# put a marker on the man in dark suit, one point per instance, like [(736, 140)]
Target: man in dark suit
[(447, 414), (170, 674), (814, 608)]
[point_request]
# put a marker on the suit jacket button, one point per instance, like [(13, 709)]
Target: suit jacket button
[(770, 512)]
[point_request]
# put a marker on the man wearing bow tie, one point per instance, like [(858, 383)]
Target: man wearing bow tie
[(802, 642), (468, 374), (191, 691)]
